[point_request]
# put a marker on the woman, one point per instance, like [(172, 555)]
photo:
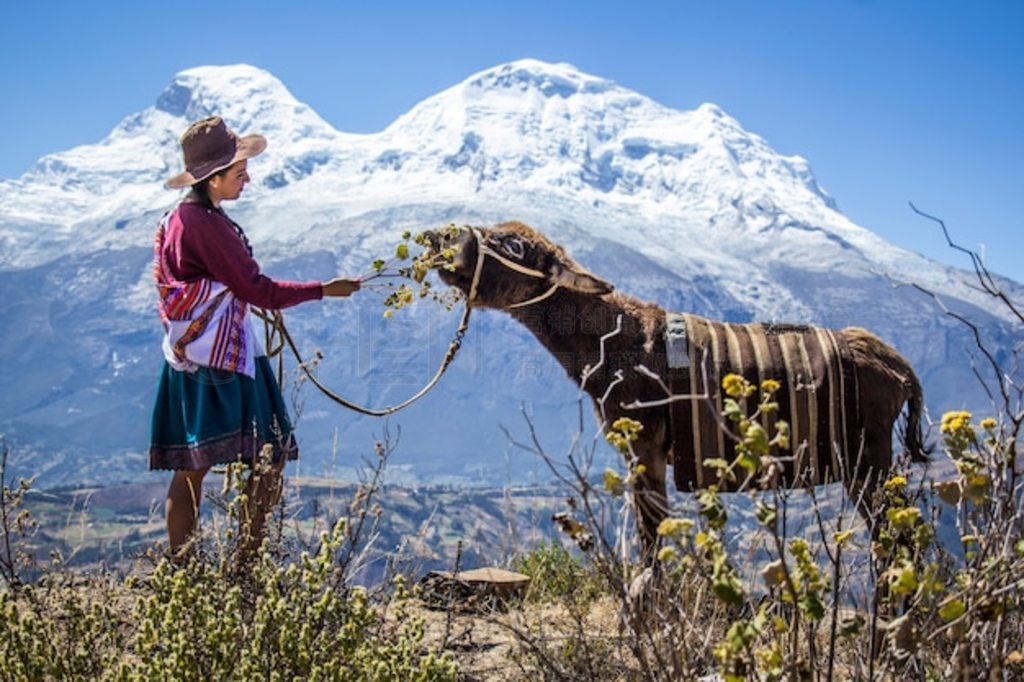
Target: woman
[(218, 401)]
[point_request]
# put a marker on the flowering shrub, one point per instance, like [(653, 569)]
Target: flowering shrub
[(217, 617), (938, 609), (404, 264)]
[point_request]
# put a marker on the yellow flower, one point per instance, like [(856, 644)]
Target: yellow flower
[(843, 537), (666, 553), (769, 386), (627, 426), (674, 527), (613, 482), (988, 423), (956, 421), (903, 519), (623, 432), (734, 385), (895, 484)]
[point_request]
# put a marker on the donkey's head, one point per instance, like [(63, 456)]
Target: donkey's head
[(511, 266)]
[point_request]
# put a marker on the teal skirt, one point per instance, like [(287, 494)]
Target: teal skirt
[(212, 416)]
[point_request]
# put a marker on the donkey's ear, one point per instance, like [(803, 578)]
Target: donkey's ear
[(572, 276)]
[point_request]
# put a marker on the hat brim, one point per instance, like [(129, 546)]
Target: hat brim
[(246, 148)]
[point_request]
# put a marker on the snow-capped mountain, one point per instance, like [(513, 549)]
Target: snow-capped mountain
[(683, 207)]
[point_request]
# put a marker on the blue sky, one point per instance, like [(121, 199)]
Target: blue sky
[(890, 100)]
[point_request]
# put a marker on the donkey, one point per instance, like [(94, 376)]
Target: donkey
[(841, 391)]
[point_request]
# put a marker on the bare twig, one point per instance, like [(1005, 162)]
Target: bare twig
[(985, 277)]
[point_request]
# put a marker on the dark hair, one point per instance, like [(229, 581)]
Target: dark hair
[(200, 193)]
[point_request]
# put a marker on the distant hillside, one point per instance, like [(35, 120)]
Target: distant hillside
[(420, 526), (687, 208)]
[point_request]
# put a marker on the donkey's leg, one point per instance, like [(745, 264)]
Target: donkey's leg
[(651, 500), (869, 472)]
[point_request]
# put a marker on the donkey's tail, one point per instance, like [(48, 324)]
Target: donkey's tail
[(912, 432)]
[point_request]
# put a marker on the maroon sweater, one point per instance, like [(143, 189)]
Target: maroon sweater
[(201, 242)]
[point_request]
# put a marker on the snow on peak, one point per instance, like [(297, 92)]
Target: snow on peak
[(205, 91), (552, 80), (541, 126), (123, 173), (524, 129), (248, 98)]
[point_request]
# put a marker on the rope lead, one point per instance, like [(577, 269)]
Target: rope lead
[(275, 329)]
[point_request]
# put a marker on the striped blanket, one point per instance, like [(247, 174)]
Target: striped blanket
[(818, 394)]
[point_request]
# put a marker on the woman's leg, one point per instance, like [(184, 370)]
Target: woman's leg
[(182, 506)]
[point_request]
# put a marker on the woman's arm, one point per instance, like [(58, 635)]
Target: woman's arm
[(212, 244), (340, 286)]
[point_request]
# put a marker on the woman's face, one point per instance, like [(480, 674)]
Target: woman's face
[(229, 183)]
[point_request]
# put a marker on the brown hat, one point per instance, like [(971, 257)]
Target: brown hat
[(208, 146)]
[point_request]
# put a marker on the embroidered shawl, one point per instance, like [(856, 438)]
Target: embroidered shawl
[(205, 324)]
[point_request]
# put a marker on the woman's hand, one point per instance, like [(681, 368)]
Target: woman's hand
[(341, 286)]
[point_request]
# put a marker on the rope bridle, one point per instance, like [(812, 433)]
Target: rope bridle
[(278, 337), (483, 251)]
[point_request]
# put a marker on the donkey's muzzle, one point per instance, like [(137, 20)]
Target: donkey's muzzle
[(436, 240), (433, 239), (445, 238)]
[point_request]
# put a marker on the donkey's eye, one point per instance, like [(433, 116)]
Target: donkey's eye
[(514, 247)]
